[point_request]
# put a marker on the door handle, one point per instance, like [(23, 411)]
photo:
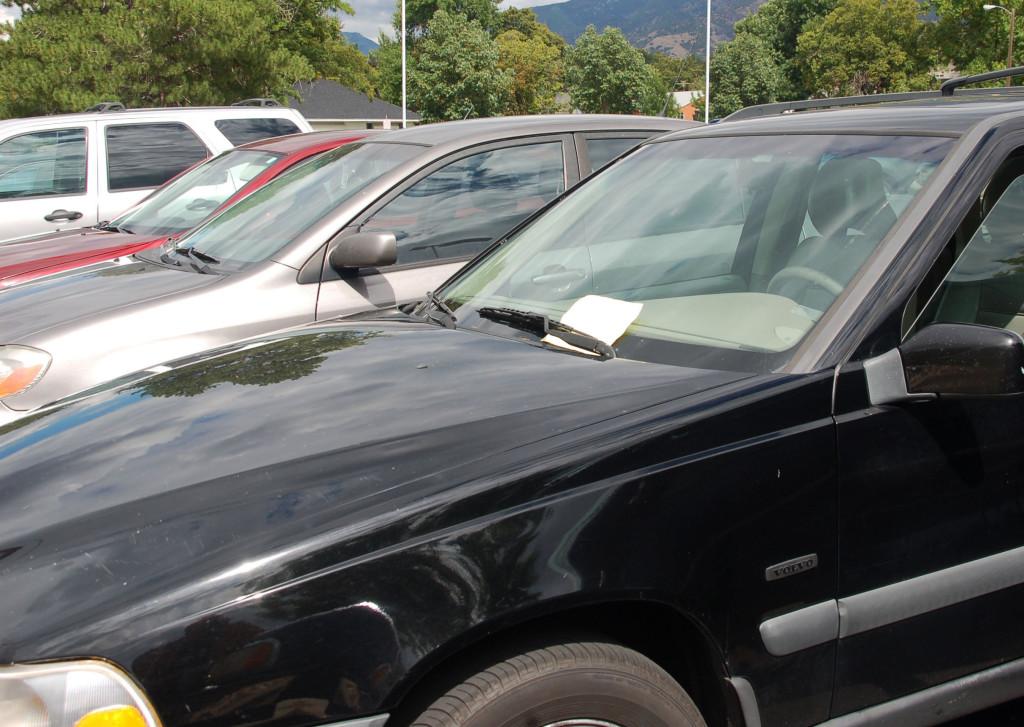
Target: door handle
[(70, 216)]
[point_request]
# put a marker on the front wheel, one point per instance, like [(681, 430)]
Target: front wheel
[(589, 684)]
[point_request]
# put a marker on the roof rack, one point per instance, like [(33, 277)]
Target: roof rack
[(947, 89), (257, 102), (106, 106)]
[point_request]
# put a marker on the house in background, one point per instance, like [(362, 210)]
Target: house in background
[(329, 105), (686, 100)]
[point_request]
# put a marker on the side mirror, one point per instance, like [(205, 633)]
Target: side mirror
[(364, 250), (948, 359)]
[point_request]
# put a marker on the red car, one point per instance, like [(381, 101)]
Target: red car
[(175, 208)]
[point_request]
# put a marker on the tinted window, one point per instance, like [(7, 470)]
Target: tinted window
[(701, 241), (602, 151), (463, 207), (190, 198), (986, 285), (140, 156), (274, 215), (242, 131), (46, 163)]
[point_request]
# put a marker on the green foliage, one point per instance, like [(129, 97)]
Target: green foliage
[(536, 72), (866, 46), (65, 55), (525, 21), (744, 71), (387, 61), (456, 72), (419, 13), (972, 39), (605, 74), (678, 74)]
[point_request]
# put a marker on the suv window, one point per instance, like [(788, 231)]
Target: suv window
[(463, 207), (140, 156), (986, 284), (243, 131), (602, 151), (43, 164)]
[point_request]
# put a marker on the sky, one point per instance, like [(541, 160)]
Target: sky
[(371, 16)]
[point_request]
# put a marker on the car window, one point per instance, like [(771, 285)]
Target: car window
[(602, 151), (986, 284), (140, 156), (463, 207), (187, 200), (43, 164), (705, 238), (243, 131), (274, 215)]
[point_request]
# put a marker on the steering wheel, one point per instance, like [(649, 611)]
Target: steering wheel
[(809, 275)]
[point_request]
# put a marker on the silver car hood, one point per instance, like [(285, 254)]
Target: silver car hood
[(30, 309)]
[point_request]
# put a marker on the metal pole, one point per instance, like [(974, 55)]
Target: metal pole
[(707, 69), (405, 103), (1013, 31)]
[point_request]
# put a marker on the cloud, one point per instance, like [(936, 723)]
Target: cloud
[(374, 16)]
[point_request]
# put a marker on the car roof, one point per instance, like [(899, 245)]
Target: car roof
[(478, 131), (293, 143), (928, 114), (220, 112)]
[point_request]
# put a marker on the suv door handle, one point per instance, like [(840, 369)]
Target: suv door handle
[(63, 215)]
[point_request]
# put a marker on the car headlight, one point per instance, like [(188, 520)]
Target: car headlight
[(72, 694), (20, 367)]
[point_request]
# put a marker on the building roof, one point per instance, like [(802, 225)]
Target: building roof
[(324, 99)]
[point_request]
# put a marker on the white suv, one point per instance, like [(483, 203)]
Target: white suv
[(74, 170)]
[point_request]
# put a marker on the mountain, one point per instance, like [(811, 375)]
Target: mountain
[(674, 26), (360, 41)]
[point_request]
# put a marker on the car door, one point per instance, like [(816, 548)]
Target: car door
[(138, 157), (447, 214), (47, 181), (931, 526)]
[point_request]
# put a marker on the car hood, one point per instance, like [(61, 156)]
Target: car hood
[(124, 512), (30, 309), (59, 251)]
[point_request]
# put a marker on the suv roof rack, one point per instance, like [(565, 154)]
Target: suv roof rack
[(257, 102), (946, 89), (106, 106)]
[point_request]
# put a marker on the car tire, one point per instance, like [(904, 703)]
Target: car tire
[(589, 684)]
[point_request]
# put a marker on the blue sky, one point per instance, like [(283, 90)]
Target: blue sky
[(371, 16)]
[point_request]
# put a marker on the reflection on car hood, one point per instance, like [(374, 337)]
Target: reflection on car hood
[(59, 250), (169, 483), (66, 297)]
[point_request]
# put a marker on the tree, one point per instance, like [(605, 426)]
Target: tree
[(744, 71), (419, 13), (605, 74), (971, 38), (535, 69), (778, 24), (457, 72), (65, 55), (678, 74), (866, 46), (525, 21), (387, 61)]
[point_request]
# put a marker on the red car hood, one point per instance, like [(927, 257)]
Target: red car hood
[(58, 251)]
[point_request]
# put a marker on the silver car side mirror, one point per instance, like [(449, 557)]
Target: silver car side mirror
[(364, 250)]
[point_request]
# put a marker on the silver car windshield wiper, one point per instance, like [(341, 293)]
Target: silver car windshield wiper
[(107, 227), (448, 321), (540, 325)]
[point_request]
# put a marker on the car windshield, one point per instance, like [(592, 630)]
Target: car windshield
[(717, 253), (184, 202), (277, 213)]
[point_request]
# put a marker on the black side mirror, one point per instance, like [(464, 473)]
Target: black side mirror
[(948, 359), (364, 250)]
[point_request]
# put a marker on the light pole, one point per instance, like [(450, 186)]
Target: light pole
[(1012, 12), (707, 69), (405, 104)]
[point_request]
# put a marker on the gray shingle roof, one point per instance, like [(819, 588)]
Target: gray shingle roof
[(330, 100)]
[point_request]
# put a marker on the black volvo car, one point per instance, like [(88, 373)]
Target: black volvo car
[(731, 434)]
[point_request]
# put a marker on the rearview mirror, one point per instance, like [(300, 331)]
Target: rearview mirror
[(364, 250), (948, 359)]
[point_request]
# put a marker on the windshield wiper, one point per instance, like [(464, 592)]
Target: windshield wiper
[(540, 325), (197, 263), (200, 255), (448, 321), (108, 227)]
